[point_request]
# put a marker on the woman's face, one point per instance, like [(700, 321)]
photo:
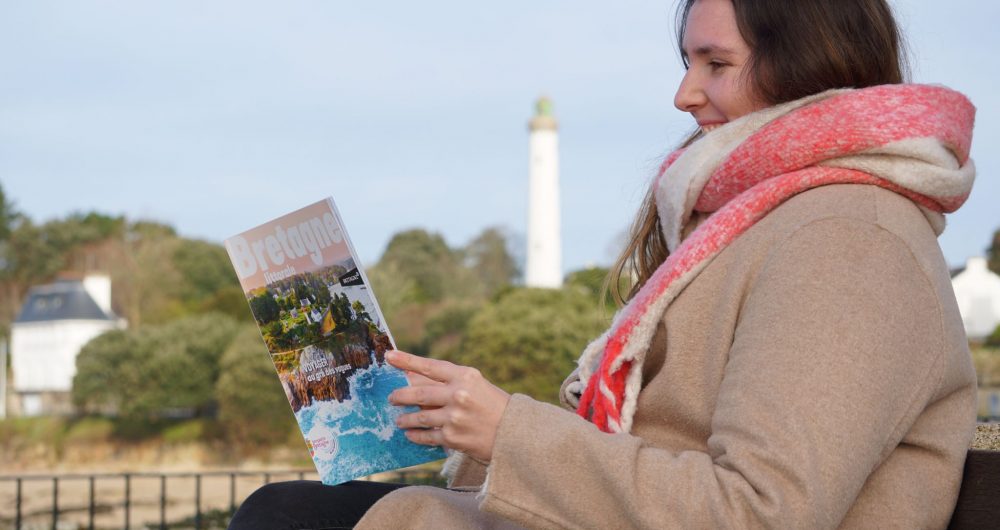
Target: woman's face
[(713, 89)]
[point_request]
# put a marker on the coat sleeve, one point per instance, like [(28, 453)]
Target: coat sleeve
[(464, 471), (837, 350)]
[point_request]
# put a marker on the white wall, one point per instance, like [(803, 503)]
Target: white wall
[(43, 354), (977, 291), (98, 286)]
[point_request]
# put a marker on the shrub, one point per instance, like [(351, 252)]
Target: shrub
[(90, 430), (528, 340), (253, 409), (189, 431)]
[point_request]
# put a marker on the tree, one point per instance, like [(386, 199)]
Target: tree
[(28, 260), (253, 408), (446, 327), (359, 311), (490, 261), (528, 339), (436, 270), (108, 372), (154, 371), (8, 216), (205, 269), (265, 308)]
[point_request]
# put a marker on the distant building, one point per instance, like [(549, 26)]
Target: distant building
[(544, 266), (977, 290), (54, 323)]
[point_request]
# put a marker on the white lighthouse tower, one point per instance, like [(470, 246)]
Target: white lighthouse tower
[(544, 268)]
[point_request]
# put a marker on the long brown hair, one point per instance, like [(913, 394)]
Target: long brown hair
[(797, 48)]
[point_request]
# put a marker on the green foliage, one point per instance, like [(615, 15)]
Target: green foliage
[(31, 431), (35, 253), (265, 308), (82, 228), (591, 281), (993, 341), (156, 371), (445, 330), (30, 258), (8, 216), (107, 372), (428, 291), (490, 261), (528, 339), (185, 432), (253, 408), (90, 430), (425, 259), (228, 300), (206, 270)]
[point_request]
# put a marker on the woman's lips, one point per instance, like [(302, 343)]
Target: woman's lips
[(709, 127)]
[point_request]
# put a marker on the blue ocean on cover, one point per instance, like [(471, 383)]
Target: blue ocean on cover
[(359, 437)]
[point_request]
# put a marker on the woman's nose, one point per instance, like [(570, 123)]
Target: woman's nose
[(690, 95)]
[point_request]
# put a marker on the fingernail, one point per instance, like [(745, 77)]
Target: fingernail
[(391, 355)]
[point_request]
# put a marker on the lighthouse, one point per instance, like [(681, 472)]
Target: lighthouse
[(544, 267)]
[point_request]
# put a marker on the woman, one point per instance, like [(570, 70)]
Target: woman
[(792, 355)]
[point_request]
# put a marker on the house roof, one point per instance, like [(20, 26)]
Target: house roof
[(61, 300)]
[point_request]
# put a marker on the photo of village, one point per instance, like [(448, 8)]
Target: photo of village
[(320, 327), (312, 306)]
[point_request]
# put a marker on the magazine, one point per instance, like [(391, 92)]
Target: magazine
[(327, 339)]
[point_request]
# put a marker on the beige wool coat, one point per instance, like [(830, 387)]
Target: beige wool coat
[(814, 375)]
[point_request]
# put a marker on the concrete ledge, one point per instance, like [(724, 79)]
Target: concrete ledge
[(987, 436)]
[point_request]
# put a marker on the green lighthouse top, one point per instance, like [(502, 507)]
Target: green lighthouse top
[(544, 120), (543, 107)]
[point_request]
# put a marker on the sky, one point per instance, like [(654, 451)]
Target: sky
[(217, 116)]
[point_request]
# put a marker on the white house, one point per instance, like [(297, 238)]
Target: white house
[(977, 290), (54, 323)]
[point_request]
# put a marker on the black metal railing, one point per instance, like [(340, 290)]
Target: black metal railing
[(127, 503)]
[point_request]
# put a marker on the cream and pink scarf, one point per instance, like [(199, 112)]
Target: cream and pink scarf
[(911, 139)]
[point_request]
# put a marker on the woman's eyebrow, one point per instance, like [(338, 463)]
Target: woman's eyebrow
[(709, 49)]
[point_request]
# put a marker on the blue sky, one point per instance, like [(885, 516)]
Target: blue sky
[(217, 116)]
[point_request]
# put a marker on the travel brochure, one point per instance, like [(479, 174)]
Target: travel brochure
[(327, 338)]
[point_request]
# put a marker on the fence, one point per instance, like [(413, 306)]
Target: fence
[(143, 500)]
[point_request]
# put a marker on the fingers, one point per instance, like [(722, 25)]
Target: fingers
[(426, 436), (416, 379), (434, 369), (424, 419), (434, 395)]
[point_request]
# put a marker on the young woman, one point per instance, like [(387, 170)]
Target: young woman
[(792, 355)]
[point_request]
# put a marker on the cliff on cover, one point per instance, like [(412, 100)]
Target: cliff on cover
[(327, 338)]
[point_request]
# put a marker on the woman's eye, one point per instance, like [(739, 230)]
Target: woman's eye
[(716, 65)]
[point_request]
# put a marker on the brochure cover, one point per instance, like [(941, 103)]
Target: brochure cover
[(327, 339)]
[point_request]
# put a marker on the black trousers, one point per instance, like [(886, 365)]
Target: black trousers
[(308, 504)]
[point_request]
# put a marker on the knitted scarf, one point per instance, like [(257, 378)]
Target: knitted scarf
[(911, 139)]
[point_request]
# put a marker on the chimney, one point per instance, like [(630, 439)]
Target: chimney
[(98, 286)]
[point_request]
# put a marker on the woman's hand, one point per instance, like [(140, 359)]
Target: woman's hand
[(460, 409)]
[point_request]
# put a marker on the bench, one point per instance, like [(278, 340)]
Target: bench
[(979, 499)]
